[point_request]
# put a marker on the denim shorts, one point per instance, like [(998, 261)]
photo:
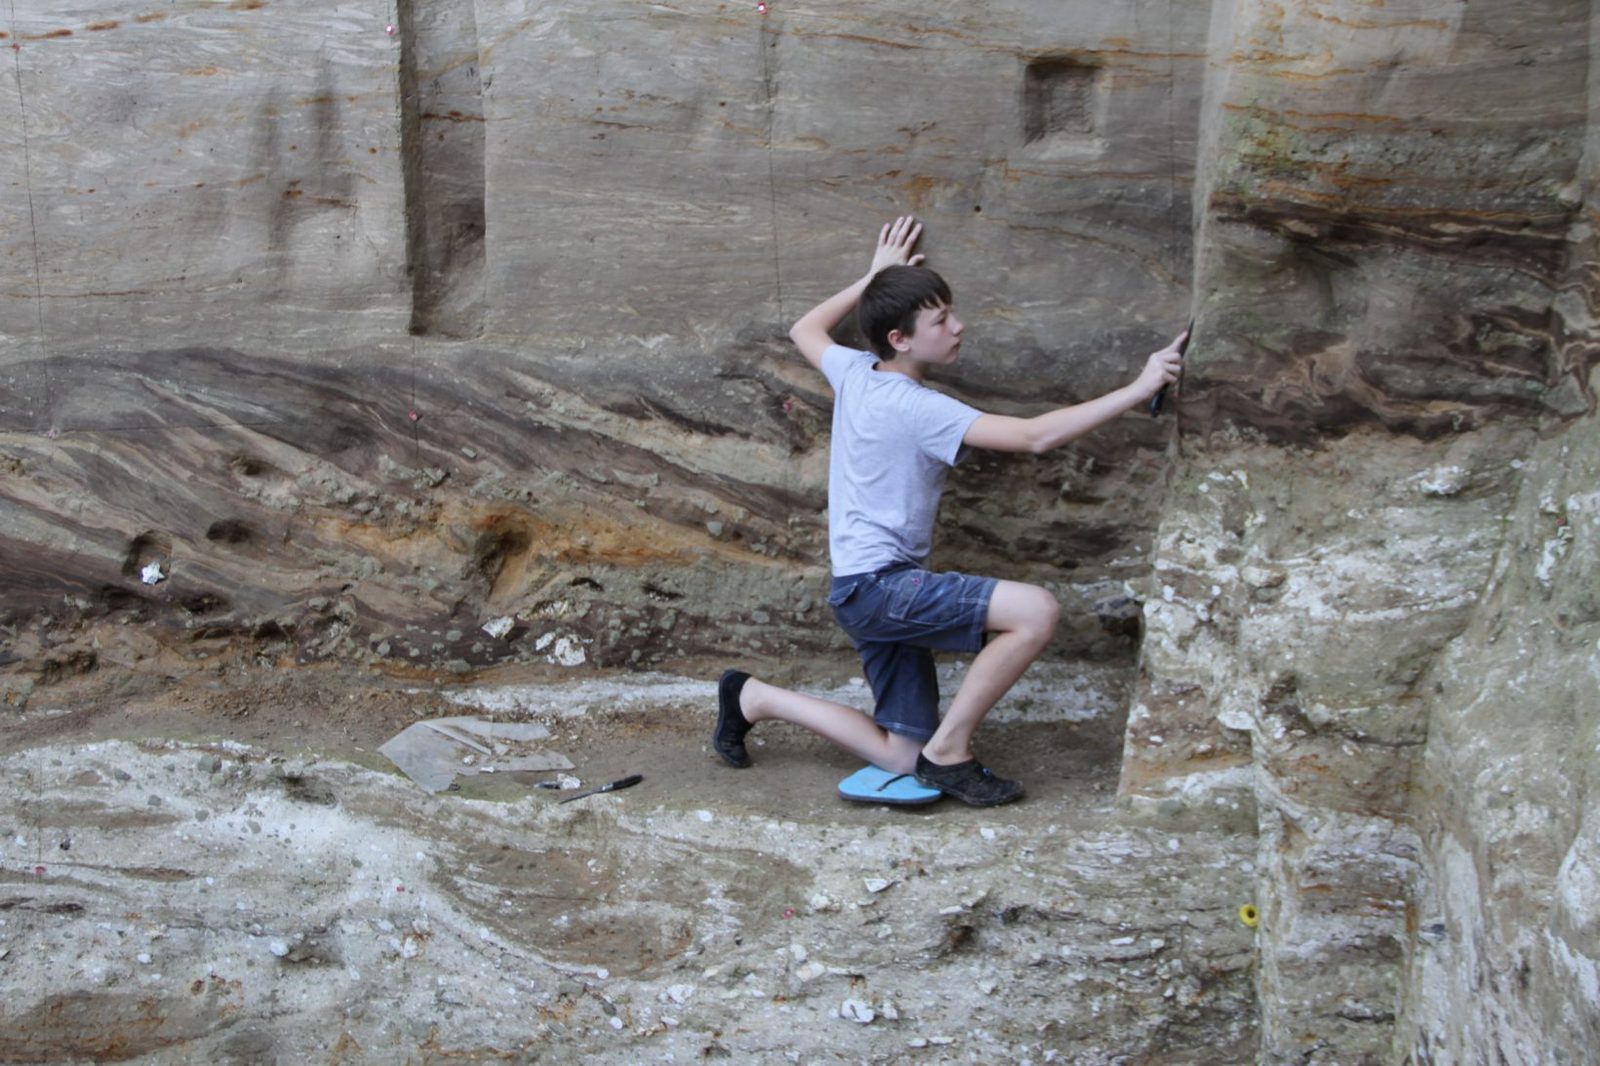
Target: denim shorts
[(897, 618)]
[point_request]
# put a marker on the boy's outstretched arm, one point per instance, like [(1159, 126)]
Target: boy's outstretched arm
[(813, 332), (1041, 433)]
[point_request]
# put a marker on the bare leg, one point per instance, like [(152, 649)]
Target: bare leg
[(1021, 619), (844, 726)]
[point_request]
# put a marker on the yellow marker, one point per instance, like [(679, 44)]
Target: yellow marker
[(1249, 915)]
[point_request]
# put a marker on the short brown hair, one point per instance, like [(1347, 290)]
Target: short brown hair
[(891, 301)]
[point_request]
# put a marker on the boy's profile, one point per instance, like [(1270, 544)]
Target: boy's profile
[(893, 441)]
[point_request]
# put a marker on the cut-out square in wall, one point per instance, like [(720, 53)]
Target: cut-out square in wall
[(1058, 99)]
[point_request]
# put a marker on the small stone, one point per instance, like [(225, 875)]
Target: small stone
[(856, 1011), (877, 884), (1261, 577), (988, 985), (144, 958), (714, 528), (810, 972), (279, 948)]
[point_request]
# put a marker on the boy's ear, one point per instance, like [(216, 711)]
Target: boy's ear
[(898, 341)]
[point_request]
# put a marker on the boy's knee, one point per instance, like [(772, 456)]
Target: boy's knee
[(1027, 610), (1043, 612)]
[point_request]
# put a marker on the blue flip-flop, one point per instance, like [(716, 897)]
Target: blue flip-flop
[(871, 784)]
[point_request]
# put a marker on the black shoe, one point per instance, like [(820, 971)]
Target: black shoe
[(731, 725), (970, 782)]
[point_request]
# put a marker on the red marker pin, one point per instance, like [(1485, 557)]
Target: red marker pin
[(413, 416), (389, 30), (762, 7)]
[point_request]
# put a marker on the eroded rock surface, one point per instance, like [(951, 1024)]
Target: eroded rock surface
[(362, 334)]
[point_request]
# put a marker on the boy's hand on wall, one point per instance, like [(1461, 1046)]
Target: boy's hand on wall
[(895, 242)]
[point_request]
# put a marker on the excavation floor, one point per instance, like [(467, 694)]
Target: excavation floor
[(218, 866)]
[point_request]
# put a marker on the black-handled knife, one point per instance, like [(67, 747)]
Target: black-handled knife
[(1159, 398), (626, 782)]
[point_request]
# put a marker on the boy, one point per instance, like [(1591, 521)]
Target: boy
[(893, 441)]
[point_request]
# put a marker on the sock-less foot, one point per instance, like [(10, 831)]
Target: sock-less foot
[(728, 738), (970, 782)]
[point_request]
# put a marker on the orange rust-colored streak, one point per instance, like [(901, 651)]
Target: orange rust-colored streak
[(247, 5), (1104, 56), (1350, 117), (918, 188), (203, 72), (1374, 24), (97, 27)]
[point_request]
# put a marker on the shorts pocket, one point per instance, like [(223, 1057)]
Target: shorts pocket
[(839, 595), (904, 589)]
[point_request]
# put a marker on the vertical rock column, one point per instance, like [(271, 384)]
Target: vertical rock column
[(1385, 198), (442, 134), (1507, 947)]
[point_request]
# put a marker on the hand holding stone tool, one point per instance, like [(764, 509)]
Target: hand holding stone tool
[(626, 782), (1160, 397)]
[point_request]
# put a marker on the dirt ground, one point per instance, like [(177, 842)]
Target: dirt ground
[(204, 858)]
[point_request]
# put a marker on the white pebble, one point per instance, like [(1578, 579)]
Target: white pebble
[(856, 1011)]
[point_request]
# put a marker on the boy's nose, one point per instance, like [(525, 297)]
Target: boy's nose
[(956, 325)]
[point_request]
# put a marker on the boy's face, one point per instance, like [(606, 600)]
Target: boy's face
[(936, 338)]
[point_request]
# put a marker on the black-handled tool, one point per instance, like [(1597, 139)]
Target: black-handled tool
[(626, 782), (1159, 398)]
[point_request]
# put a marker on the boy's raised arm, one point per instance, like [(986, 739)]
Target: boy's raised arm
[(813, 332), (1002, 433)]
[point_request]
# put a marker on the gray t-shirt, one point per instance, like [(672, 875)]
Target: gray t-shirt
[(893, 442)]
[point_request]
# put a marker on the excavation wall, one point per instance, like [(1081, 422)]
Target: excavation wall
[(353, 330)]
